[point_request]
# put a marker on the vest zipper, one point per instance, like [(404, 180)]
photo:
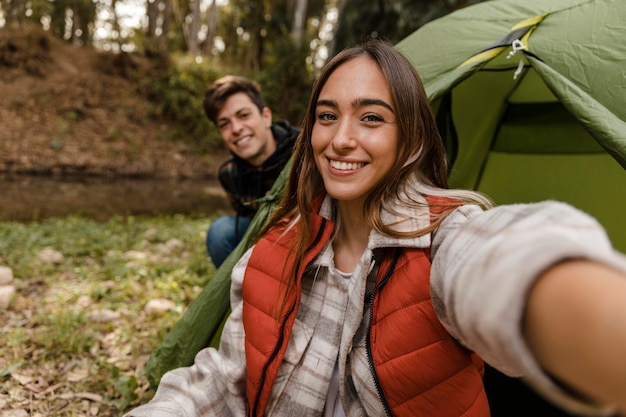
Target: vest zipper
[(368, 343), (283, 323)]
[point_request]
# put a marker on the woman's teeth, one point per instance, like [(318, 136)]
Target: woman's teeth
[(346, 166)]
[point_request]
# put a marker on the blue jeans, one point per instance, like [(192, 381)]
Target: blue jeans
[(224, 235)]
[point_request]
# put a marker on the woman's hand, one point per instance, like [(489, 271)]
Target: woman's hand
[(575, 324)]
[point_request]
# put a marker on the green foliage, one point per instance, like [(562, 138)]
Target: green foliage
[(286, 81), (56, 333), (126, 386), (179, 93)]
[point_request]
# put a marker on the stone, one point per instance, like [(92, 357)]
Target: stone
[(6, 275), (159, 306), (50, 255), (7, 293)]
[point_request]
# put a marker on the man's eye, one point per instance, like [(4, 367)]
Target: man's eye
[(222, 126)]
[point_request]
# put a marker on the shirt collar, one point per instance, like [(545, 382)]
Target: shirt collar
[(409, 217)]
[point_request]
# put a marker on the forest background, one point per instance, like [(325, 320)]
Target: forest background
[(113, 88), (157, 57)]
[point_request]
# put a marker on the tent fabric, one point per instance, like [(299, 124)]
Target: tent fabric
[(580, 41), (556, 130), (543, 120)]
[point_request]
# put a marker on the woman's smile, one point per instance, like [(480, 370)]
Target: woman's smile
[(345, 166)]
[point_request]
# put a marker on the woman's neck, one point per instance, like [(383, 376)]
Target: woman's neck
[(352, 236)]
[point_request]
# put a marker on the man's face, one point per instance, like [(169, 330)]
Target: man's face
[(245, 130)]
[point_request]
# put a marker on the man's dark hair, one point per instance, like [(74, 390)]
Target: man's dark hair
[(224, 87)]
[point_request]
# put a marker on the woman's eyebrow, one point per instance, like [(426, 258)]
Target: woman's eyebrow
[(361, 102), (371, 102), (326, 102)]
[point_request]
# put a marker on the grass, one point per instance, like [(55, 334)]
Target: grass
[(76, 336)]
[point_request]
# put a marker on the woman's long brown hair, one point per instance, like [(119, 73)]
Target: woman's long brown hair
[(420, 163)]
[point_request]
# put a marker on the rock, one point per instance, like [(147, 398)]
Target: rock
[(50, 255), (159, 306), (174, 244), (104, 315), (7, 293), (6, 275)]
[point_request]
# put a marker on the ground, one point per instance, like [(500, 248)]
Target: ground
[(68, 110)]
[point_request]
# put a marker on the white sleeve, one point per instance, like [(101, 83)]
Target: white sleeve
[(215, 384), (484, 264)]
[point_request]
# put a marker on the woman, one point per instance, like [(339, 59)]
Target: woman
[(336, 310)]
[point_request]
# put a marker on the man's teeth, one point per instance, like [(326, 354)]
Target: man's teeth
[(243, 140), (346, 166)]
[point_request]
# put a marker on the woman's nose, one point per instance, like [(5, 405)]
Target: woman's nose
[(345, 136)]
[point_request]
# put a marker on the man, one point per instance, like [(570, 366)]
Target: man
[(259, 149)]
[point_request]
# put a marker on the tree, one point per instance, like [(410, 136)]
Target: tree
[(392, 20), (158, 13), (211, 29), (12, 12), (299, 19), (73, 20), (193, 23)]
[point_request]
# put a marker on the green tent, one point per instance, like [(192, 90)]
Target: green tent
[(530, 97), (556, 130)]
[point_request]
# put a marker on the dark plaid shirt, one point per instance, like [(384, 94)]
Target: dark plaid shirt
[(245, 183)]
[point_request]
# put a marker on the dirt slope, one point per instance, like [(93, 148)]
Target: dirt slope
[(70, 110)]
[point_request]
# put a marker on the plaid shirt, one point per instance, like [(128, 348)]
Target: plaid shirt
[(478, 292)]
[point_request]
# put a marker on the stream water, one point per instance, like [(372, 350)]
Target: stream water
[(26, 198)]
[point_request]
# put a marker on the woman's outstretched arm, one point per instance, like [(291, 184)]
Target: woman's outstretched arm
[(485, 265), (575, 324)]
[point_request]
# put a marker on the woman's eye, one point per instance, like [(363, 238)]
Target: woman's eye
[(326, 117), (373, 118)]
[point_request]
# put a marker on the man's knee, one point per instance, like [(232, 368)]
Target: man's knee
[(221, 227)]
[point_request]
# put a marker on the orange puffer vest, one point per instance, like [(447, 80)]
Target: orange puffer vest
[(419, 369)]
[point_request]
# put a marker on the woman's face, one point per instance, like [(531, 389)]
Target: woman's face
[(355, 135)]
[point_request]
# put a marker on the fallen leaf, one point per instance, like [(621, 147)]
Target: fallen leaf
[(22, 379)]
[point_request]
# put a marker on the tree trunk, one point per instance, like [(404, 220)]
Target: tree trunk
[(341, 4), (299, 18), (165, 26), (260, 50), (116, 25), (194, 28), (13, 12), (212, 19), (152, 12)]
